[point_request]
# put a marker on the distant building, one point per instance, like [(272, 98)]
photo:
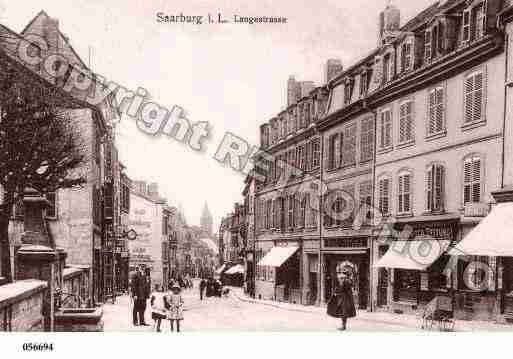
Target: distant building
[(206, 221)]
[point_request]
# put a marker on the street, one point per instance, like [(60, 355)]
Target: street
[(232, 314)]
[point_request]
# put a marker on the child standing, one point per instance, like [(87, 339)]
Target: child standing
[(158, 310), (175, 307)]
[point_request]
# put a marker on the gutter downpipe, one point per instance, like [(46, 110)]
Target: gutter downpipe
[(506, 50), (320, 261)]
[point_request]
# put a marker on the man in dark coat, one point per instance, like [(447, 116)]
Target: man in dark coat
[(202, 286), (341, 305), (140, 294)]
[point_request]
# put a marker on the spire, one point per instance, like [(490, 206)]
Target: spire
[(206, 222)]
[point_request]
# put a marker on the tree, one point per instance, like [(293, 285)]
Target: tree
[(40, 146)]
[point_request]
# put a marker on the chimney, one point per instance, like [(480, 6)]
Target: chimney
[(388, 23), (332, 68), (293, 91), (51, 34)]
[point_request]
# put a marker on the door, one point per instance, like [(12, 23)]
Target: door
[(382, 280)]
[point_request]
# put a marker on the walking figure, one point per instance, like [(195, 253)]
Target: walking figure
[(341, 304), (174, 305), (202, 287)]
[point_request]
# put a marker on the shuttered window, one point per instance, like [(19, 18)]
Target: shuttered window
[(300, 156), (349, 145), (435, 179), (332, 144), (302, 212), (384, 196), (367, 139), (406, 122), (436, 110), (365, 197), (466, 25), (406, 57), (316, 151), (404, 193), (473, 97), (385, 129), (290, 211), (472, 180), (478, 28), (427, 45)]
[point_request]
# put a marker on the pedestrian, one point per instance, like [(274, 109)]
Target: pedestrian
[(202, 286), (210, 287), (174, 305), (218, 288), (158, 309), (341, 303), (140, 293)]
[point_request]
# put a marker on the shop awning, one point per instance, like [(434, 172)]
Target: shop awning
[(220, 269), (277, 256), (235, 269), (418, 254), (493, 236)]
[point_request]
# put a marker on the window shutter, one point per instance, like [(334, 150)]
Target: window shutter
[(427, 45), (308, 155), (388, 129), (439, 109), (432, 116), (466, 25), (386, 193), (439, 188), (469, 91), (336, 150), (406, 199), (382, 130), (467, 179), (341, 149), (429, 188), (478, 97), (401, 192), (476, 185)]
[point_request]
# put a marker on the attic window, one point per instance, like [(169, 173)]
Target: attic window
[(406, 57), (473, 23)]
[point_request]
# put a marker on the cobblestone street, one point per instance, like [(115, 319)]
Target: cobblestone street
[(232, 314)]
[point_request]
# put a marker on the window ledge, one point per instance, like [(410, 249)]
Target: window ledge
[(404, 214), (385, 149), (348, 166), (406, 144), (471, 125), (365, 161), (436, 135)]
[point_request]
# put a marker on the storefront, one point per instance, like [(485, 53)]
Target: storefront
[(354, 253), (485, 266), (413, 261), (280, 267)]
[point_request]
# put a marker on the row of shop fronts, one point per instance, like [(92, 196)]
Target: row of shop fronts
[(400, 267)]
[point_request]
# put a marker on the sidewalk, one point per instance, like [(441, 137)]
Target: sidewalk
[(405, 320)]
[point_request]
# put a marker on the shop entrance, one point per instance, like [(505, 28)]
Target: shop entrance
[(360, 265), (382, 292)]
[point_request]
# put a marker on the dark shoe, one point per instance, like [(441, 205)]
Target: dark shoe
[(145, 325), (135, 324)]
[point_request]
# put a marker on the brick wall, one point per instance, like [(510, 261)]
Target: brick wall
[(21, 306)]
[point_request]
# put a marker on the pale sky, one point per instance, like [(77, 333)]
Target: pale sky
[(231, 75)]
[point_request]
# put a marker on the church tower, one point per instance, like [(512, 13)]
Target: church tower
[(206, 222)]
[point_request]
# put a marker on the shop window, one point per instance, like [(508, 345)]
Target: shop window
[(472, 180), (407, 284), (477, 273), (473, 97)]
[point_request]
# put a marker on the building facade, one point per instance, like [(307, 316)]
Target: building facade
[(405, 155)]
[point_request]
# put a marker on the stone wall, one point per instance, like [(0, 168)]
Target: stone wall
[(21, 306)]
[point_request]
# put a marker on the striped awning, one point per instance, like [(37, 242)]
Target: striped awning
[(277, 256), (417, 255)]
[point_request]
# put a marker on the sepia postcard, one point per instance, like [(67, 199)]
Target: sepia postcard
[(221, 166)]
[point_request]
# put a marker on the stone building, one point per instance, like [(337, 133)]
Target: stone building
[(414, 143)]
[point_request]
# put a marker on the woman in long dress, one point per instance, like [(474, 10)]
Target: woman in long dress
[(341, 304)]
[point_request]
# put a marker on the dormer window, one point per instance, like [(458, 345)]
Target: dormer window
[(348, 91), (473, 23), (427, 45), (363, 82), (406, 57), (386, 68)]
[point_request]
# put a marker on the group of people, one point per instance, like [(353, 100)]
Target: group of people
[(164, 305), (210, 288)]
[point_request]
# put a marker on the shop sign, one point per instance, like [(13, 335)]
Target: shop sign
[(438, 231), (346, 242)]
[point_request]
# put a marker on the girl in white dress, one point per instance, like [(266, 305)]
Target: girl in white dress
[(174, 305)]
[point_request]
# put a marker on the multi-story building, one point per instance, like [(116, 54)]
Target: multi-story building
[(148, 216), (287, 230), (414, 145), (76, 217)]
